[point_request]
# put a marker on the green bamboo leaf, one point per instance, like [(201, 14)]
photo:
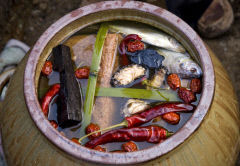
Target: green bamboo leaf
[(161, 95), (96, 59)]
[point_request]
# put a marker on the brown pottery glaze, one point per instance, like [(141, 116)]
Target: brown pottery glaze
[(210, 137)]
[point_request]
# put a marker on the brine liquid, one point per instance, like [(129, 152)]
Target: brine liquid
[(116, 115)]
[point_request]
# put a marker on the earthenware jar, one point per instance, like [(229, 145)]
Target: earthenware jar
[(210, 137)]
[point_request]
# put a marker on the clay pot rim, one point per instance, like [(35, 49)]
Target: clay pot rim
[(81, 152)]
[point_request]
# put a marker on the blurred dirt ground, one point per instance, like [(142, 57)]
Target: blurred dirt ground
[(26, 20)]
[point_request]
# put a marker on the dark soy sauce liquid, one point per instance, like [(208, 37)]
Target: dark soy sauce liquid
[(118, 117), (117, 114)]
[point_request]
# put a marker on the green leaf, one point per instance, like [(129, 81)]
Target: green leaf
[(162, 95), (96, 59)]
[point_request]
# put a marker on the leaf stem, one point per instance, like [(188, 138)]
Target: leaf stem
[(91, 87), (124, 123)]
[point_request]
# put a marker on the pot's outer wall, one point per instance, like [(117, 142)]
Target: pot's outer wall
[(216, 141), (69, 25)]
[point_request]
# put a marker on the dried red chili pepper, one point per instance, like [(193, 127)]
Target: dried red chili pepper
[(135, 45), (82, 72), (151, 134), (171, 117), (186, 95), (75, 140), (54, 123), (91, 128), (129, 147), (174, 81), (149, 114), (99, 148), (47, 68), (122, 48), (195, 85), (54, 89)]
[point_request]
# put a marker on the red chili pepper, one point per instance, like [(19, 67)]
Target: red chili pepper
[(54, 89), (171, 117), (122, 47), (129, 147), (148, 115), (75, 140), (82, 72), (47, 68), (54, 123), (152, 134)]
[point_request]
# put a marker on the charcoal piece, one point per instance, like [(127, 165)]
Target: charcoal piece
[(70, 97), (148, 58)]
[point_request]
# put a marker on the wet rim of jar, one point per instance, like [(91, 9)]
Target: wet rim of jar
[(81, 152)]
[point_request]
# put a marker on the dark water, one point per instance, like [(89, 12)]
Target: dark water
[(117, 115)]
